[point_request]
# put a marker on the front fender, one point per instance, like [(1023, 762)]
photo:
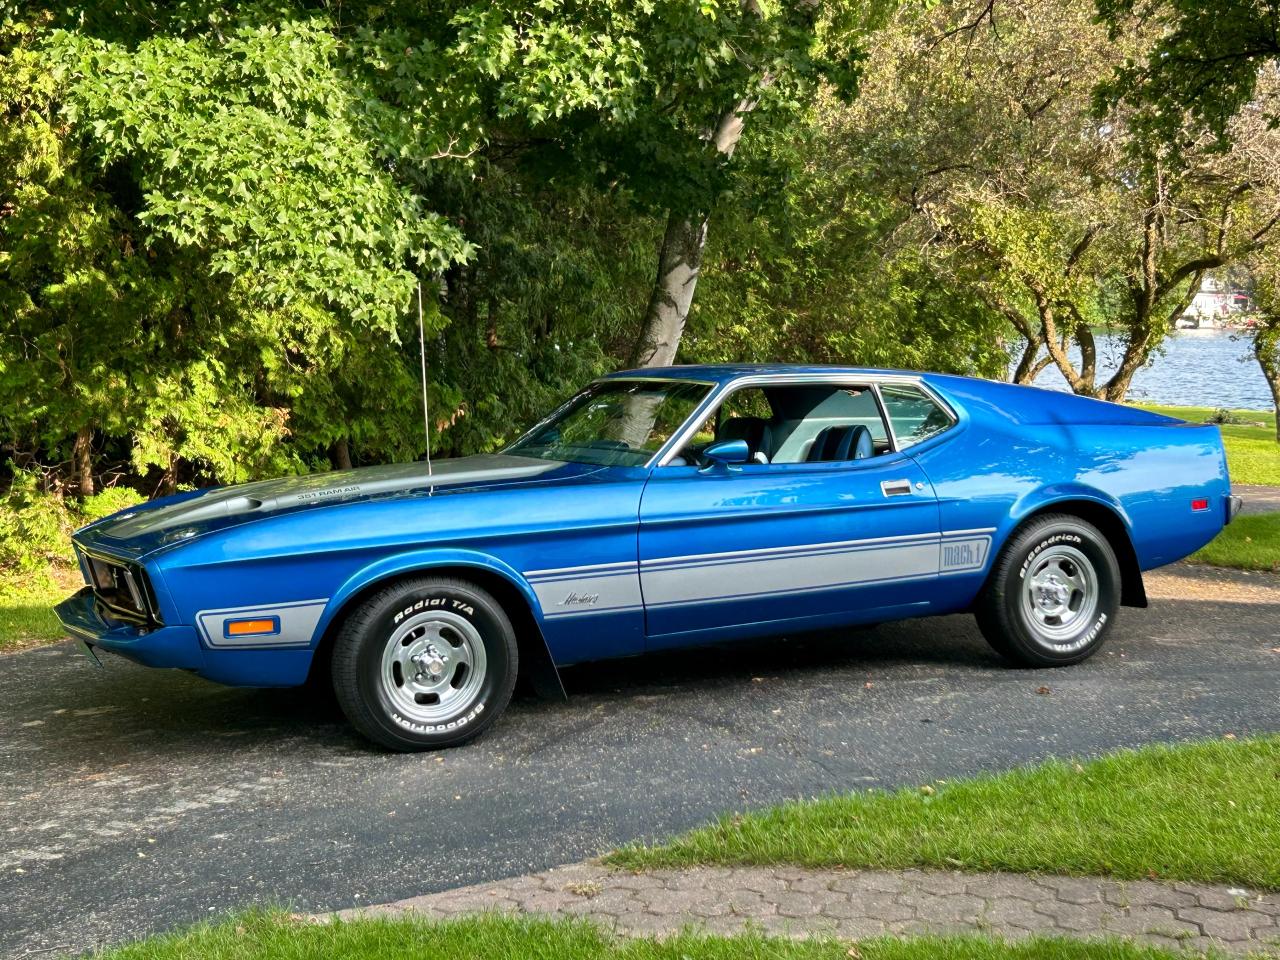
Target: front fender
[(541, 667), (417, 561)]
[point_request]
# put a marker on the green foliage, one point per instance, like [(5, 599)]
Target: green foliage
[(34, 528), (982, 128), (214, 222), (1207, 59), (35, 525)]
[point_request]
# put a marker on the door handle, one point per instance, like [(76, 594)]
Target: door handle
[(895, 488)]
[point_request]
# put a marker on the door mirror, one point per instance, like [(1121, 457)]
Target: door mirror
[(727, 451)]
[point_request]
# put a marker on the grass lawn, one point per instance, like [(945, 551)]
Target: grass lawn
[(1253, 456), (26, 609), (273, 936), (1251, 543), (1202, 812)]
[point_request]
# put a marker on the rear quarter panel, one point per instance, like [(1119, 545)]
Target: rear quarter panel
[(1019, 450)]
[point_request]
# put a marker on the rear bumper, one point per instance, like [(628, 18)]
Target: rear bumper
[(1233, 507), (176, 646)]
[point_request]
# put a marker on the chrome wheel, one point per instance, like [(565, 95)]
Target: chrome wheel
[(1060, 597), (433, 666)]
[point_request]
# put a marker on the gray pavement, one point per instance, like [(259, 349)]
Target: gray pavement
[(1257, 498), (134, 800), (857, 904)]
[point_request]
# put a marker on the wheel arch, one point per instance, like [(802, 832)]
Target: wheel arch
[(1109, 518), (506, 585)]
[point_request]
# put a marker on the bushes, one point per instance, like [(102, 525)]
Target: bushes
[(36, 526)]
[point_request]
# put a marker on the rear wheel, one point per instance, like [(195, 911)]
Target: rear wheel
[(1053, 594), (425, 663)]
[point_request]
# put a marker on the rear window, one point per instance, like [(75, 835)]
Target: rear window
[(915, 415)]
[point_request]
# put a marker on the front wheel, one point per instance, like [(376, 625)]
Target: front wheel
[(1053, 594), (425, 663)]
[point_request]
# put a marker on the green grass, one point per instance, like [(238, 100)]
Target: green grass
[(26, 609), (1251, 542), (274, 936), (1253, 455), (1201, 812)]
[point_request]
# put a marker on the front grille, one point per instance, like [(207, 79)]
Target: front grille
[(122, 590)]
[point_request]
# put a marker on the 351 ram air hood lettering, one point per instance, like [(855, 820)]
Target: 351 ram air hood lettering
[(245, 501)]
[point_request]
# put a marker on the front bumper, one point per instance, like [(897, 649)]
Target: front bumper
[(176, 646)]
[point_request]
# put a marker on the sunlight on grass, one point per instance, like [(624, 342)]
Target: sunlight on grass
[(275, 936), (1203, 812), (26, 609), (1251, 542)]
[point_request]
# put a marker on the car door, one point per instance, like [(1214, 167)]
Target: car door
[(736, 550)]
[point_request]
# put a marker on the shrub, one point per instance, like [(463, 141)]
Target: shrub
[(36, 525)]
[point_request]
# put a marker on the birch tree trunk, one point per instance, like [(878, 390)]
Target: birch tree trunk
[(680, 260)]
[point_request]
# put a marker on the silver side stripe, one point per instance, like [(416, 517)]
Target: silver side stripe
[(785, 573), (626, 566), (800, 548), (297, 619), (712, 577), (612, 591)]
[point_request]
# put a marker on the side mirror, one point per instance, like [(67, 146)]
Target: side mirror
[(726, 452)]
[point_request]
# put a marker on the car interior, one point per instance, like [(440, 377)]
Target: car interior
[(795, 424)]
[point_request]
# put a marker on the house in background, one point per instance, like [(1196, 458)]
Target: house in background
[(1216, 304)]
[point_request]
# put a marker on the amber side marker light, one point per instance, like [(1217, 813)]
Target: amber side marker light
[(258, 626)]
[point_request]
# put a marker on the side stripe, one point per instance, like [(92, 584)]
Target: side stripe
[(298, 621), (799, 568)]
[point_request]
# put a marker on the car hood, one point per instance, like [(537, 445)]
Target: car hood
[(188, 515)]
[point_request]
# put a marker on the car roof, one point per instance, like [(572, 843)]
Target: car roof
[(726, 372)]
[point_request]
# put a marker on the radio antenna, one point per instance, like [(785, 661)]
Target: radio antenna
[(422, 352)]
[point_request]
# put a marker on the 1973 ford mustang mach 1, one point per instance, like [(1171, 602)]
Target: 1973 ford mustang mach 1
[(660, 509)]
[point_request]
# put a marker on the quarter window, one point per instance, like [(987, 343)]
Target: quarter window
[(914, 414)]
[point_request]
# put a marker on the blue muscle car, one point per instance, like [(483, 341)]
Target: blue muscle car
[(659, 509)]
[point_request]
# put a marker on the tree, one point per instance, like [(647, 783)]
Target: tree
[(1204, 58), (979, 119), (1265, 333)]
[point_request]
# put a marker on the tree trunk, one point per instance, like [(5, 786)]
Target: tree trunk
[(1029, 367), (340, 454), (82, 458), (680, 259), (678, 264), (1266, 347)]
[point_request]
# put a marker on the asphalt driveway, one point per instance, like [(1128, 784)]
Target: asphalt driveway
[(133, 800)]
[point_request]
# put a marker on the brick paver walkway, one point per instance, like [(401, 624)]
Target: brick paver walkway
[(855, 904)]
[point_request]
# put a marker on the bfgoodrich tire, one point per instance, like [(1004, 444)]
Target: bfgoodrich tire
[(425, 663), (1053, 593)]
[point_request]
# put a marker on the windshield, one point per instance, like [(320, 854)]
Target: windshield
[(614, 422)]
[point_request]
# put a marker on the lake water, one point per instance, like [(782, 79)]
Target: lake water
[(1197, 368)]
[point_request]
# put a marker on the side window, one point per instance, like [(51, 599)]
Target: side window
[(827, 424), (914, 414), (801, 423), (744, 415)]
